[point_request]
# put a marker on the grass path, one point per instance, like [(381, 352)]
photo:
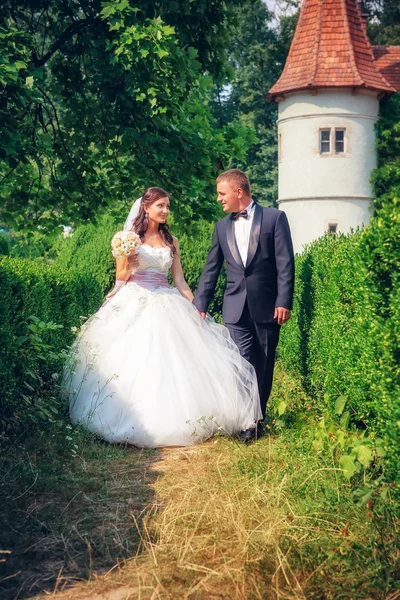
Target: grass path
[(265, 521), (275, 520)]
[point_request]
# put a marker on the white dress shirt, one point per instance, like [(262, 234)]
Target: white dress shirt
[(242, 228)]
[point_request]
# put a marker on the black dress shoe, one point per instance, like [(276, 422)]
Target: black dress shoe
[(248, 435)]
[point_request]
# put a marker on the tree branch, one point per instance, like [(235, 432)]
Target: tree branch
[(65, 37)]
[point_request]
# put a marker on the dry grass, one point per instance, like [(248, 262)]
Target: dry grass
[(227, 524)]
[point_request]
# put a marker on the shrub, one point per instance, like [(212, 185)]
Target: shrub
[(194, 250), (343, 339), (88, 251), (36, 300)]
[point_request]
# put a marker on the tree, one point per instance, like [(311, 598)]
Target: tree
[(100, 99), (257, 56), (384, 21)]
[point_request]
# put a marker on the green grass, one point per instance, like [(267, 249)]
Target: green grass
[(273, 520)]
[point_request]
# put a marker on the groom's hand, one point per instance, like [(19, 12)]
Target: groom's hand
[(282, 315), (202, 314)]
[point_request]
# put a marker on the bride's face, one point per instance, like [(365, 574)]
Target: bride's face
[(159, 210)]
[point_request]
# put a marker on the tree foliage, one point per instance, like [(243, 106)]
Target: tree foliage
[(384, 22), (100, 99), (257, 55)]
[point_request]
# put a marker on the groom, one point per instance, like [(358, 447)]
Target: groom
[(257, 248)]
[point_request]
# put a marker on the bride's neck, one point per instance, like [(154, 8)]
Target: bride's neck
[(152, 229)]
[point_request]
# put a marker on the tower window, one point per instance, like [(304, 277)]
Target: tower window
[(332, 228), (324, 141), (339, 140)]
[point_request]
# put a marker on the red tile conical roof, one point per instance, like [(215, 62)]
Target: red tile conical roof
[(387, 60), (330, 49)]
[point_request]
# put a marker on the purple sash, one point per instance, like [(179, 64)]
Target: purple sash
[(146, 279), (149, 280)]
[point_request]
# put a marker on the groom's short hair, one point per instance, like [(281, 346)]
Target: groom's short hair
[(237, 178)]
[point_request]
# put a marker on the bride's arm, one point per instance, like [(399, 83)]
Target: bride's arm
[(177, 274), (125, 266)]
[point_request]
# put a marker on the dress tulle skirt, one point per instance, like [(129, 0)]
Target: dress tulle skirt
[(147, 370)]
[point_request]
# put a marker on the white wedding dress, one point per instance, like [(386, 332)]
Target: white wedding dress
[(146, 369)]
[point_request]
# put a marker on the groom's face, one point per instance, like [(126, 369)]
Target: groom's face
[(229, 196)]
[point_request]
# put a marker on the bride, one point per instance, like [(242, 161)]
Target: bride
[(146, 369)]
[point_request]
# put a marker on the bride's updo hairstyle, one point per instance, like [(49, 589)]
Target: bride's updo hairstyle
[(140, 224)]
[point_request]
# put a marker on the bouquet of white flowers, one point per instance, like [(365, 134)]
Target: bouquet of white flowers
[(124, 242)]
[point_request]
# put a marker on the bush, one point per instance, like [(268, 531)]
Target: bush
[(343, 339), (88, 251), (194, 250), (36, 300)]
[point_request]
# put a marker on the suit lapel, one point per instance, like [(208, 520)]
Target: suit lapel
[(254, 234), (230, 236)]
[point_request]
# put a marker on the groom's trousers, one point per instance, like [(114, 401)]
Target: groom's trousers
[(257, 343)]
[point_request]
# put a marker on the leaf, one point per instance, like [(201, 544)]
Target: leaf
[(344, 419), (318, 445), (384, 493), (281, 408), (192, 52), (123, 4), (107, 11), (30, 388), (365, 497), (340, 438), (340, 404), (348, 465), (364, 454), (380, 448), (29, 82)]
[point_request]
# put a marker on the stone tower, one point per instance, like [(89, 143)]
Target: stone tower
[(328, 97)]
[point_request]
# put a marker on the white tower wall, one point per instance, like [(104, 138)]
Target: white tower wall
[(317, 190)]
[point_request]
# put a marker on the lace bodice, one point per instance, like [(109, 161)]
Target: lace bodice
[(157, 260)]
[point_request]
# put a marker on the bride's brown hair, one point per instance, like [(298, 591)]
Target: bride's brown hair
[(141, 223)]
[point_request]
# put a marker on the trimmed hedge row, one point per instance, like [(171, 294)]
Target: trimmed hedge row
[(344, 336), (88, 251), (50, 294)]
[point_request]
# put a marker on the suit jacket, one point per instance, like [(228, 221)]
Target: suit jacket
[(267, 279)]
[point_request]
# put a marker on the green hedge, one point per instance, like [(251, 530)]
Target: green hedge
[(52, 295), (194, 250), (344, 337), (88, 251)]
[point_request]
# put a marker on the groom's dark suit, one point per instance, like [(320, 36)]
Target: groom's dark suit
[(253, 290)]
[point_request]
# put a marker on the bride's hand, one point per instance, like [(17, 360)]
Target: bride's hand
[(133, 261)]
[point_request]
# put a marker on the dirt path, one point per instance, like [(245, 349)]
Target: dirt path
[(194, 541), (268, 521)]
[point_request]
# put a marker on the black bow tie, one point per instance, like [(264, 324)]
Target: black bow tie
[(244, 214)]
